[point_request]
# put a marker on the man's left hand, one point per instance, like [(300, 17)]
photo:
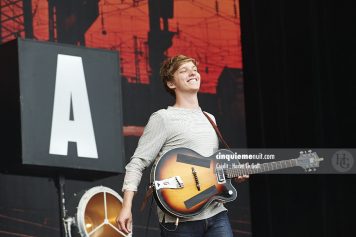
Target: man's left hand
[(241, 179)]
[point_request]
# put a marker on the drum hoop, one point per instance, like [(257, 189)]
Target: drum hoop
[(83, 204)]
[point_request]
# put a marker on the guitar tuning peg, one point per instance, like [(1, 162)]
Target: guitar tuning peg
[(314, 169), (309, 169), (301, 152), (309, 151)]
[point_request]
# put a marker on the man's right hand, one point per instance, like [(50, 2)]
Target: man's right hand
[(124, 220)]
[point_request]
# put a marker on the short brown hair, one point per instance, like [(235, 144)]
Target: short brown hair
[(170, 66)]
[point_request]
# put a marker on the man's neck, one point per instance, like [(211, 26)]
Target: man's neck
[(189, 101)]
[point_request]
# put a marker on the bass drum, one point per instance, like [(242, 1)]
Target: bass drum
[(95, 215)]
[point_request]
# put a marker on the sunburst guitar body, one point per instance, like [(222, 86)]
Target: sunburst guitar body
[(185, 183)]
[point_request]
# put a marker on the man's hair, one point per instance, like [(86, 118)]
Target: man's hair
[(170, 66)]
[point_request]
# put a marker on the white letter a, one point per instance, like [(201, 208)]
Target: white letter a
[(71, 90)]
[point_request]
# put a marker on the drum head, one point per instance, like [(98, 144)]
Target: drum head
[(97, 212)]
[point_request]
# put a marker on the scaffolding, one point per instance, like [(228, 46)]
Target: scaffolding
[(15, 19)]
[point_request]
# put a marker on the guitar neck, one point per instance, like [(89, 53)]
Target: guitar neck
[(260, 168)]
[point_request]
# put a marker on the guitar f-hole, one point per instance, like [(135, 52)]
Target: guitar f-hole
[(197, 184)]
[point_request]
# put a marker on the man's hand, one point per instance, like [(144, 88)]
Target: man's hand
[(241, 179), (124, 220)]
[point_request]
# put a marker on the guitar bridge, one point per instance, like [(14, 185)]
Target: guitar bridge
[(175, 182)]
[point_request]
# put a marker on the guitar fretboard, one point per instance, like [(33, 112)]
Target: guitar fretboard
[(260, 168)]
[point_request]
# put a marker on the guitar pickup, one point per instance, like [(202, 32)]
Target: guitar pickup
[(175, 182), (220, 175)]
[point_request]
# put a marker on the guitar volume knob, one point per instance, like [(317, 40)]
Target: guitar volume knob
[(230, 192)]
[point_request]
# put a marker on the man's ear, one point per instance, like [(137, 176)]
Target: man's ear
[(171, 85)]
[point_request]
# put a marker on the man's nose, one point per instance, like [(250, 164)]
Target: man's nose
[(192, 72)]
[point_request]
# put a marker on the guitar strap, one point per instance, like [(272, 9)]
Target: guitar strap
[(217, 131), (148, 194)]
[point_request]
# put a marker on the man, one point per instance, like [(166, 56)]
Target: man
[(180, 125)]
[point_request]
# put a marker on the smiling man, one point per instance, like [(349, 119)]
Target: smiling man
[(180, 125)]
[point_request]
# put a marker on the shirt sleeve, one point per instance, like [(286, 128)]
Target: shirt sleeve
[(153, 138)]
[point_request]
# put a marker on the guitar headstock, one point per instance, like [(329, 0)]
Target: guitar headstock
[(308, 160)]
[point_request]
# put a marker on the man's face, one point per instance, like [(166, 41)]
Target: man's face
[(186, 79)]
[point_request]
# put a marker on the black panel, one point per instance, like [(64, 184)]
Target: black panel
[(203, 162), (207, 193), (33, 92)]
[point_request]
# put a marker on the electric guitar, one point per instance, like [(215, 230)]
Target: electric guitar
[(185, 183)]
